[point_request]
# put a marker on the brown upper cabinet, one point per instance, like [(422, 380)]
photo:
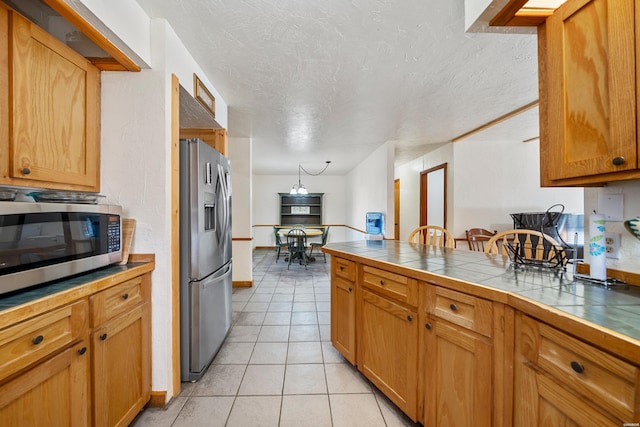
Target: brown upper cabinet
[(50, 114), (588, 93)]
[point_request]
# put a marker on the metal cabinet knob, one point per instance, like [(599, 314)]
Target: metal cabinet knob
[(37, 340), (453, 307), (26, 171), (577, 366), (125, 296), (618, 161), (382, 282), (103, 337), (350, 289), (409, 318), (427, 325), (82, 351)]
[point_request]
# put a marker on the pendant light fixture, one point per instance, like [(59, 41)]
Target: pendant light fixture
[(299, 188)]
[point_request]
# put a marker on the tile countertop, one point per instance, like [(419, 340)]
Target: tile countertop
[(36, 299), (551, 295)]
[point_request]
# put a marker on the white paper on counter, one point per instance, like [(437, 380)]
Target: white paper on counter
[(597, 249)]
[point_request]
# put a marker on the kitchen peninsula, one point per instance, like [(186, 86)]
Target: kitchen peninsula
[(463, 338)]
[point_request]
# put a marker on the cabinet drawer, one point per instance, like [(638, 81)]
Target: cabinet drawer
[(345, 269), (116, 300), (473, 313), (392, 285), (604, 379), (32, 340)]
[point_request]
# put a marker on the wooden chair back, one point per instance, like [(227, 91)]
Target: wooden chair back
[(478, 237), (432, 235), (530, 245)]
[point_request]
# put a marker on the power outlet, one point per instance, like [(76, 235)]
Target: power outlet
[(612, 245)]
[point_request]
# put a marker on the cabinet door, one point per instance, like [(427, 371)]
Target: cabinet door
[(54, 393), (54, 113), (121, 367), (591, 90), (458, 376), (388, 349), (540, 401), (343, 318)]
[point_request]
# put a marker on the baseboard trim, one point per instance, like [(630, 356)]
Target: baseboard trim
[(242, 283), (157, 399)]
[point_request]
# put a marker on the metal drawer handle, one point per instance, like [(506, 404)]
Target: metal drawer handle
[(576, 366), (382, 282), (125, 296), (37, 340), (427, 325), (82, 351), (341, 268), (103, 337), (26, 171), (618, 161), (350, 289), (453, 307), (409, 318)]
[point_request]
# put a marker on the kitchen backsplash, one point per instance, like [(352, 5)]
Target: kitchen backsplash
[(630, 245)]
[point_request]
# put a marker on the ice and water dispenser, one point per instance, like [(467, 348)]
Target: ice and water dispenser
[(375, 226)]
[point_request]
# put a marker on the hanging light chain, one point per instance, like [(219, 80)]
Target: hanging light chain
[(313, 174)]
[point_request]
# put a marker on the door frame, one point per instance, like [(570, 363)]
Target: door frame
[(424, 193)]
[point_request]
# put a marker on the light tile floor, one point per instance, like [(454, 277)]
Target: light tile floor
[(277, 366)]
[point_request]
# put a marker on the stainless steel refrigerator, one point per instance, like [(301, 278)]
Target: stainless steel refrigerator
[(205, 255)]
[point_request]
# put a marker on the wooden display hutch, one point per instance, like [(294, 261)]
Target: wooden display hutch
[(305, 209)]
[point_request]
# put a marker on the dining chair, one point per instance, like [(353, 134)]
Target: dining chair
[(297, 244), (478, 237), (279, 243), (432, 235), (527, 247), (320, 244)]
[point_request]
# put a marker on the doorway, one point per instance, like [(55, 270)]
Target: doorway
[(396, 209), (433, 196)]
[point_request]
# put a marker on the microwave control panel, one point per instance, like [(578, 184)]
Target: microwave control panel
[(113, 234)]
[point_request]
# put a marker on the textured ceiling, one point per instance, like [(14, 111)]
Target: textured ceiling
[(312, 81)]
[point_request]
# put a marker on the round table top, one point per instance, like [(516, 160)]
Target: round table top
[(308, 231)]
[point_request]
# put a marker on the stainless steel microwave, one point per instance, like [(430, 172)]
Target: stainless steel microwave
[(40, 242)]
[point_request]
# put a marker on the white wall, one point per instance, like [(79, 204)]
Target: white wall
[(409, 176), (495, 179), (370, 189), (486, 181), (136, 168), (239, 153)]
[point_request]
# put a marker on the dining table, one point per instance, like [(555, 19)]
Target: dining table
[(309, 232)]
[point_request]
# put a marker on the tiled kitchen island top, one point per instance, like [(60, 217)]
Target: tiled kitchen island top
[(550, 294)]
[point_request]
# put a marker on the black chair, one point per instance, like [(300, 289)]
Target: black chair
[(279, 243), (297, 243), (319, 245)]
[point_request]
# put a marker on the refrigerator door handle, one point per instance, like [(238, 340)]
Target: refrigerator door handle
[(207, 173), (217, 278)]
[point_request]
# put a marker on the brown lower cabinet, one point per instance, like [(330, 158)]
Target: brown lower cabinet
[(388, 349), (563, 381), (458, 380), (436, 353), (81, 362), (121, 352), (54, 392)]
